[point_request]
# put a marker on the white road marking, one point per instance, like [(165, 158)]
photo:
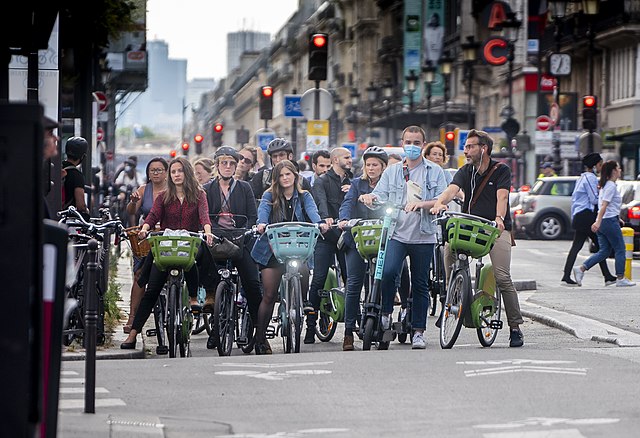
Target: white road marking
[(100, 403), (271, 365), (546, 421), (68, 373), (72, 380), (295, 434), (526, 369), (271, 375), (77, 390), (556, 433), (515, 362), (309, 372)]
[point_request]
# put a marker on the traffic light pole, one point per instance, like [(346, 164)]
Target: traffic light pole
[(590, 36), (294, 131), (316, 102)]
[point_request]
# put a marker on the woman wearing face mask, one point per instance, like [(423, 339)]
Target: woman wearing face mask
[(375, 162)]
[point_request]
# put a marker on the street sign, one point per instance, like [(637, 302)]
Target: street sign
[(351, 147), (544, 123), (101, 99), (317, 135), (264, 137), (308, 103), (292, 106), (100, 134)]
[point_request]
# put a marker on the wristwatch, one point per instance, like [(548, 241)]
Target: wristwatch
[(501, 217)]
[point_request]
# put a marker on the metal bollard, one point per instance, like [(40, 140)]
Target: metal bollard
[(90, 328), (627, 235)]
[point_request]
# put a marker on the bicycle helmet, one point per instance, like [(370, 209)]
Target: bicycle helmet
[(76, 147), (377, 152), (279, 144), (226, 150)]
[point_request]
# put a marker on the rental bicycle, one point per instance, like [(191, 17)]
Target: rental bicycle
[(476, 305), (175, 254), (292, 244)]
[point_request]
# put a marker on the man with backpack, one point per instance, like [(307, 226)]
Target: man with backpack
[(73, 179)]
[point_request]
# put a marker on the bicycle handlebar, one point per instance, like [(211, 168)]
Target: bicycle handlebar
[(73, 213), (445, 215)]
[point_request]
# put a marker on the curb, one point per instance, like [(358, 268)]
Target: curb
[(521, 285)]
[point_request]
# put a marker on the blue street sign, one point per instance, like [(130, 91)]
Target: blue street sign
[(292, 106), (462, 138), (263, 139), (351, 147)]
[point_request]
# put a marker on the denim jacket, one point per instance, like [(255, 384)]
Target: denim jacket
[(261, 251), (391, 188)]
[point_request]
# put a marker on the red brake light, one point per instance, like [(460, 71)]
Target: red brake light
[(634, 213)]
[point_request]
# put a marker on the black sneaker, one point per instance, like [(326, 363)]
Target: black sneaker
[(516, 339), (211, 342), (310, 336), (569, 281)]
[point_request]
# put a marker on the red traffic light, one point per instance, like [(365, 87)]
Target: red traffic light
[(450, 136), (267, 91), (218, 127), (173, 153), (197, 138), (185, 146), (319, 39), (589, 101)]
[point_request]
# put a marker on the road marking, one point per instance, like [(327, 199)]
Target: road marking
[(77, 390), (544, 421), (295, 434), (100, 403), (271, 365), (526, 369), (556, 433), (271, 375), (72, 380), (515, 362), (68, 373), (309, 372)]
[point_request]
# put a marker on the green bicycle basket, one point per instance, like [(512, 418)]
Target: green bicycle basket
[(367, 237), (174, 251), (471, 237), (292, 240)]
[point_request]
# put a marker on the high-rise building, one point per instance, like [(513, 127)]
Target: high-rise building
[(244, 41)]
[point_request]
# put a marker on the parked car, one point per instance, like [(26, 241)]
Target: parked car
[(630, 211), (545, 211)]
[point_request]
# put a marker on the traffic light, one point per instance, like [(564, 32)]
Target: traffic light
[(450, 142), (266, 102), (185, 148), (198, 139), (173, 153), (589, 113), (218, 129), (318, 49)]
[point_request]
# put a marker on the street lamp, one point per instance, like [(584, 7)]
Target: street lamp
[(446, 66), (591, 9), (372, 93), (470, 56), (337, 106), (558, 11), (355, 97), (429, 71), (387, 91), (412, 85)]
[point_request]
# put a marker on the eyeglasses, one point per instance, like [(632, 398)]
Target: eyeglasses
[(156, 171), (227, 163), (470, 145), (247, 161)]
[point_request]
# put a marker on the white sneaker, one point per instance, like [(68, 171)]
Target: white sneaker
[(403, 314), (579, 274), (385, 322), (624, 282), (418, 342)]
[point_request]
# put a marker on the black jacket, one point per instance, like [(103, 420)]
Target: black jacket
[(260, 183), (328, 194), (241, 202)]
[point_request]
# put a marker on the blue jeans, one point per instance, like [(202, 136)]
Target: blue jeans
[(356, 268), (420, 256), (609, 238)]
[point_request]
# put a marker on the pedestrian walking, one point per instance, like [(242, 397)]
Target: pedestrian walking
[(584, 210), (607, 226)]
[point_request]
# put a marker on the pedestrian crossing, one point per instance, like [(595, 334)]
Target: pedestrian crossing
[(72, 393)]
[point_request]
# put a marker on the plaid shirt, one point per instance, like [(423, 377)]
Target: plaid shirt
[(179, 216)]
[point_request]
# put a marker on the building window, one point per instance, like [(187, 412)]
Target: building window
[(622, 73)]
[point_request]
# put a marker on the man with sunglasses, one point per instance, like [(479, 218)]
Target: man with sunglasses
[(492, 203), (248, 157)]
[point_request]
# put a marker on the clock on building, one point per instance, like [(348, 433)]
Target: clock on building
[(560, 64)]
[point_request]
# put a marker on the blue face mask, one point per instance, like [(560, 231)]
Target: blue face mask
[(412, 152)]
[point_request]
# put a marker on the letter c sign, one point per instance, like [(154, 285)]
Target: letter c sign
[(495, 51)]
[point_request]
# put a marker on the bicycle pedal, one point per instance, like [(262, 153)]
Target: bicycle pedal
[(151, 332), (323, 293), (162, 349), (271, 332), (242, 340), (495, 324)]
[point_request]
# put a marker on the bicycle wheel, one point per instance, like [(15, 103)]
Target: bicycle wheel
[(326, 325), (367, 337), (160, 317), (200, 324), (487, 334), (223, 320), (454, 308), (172, 320), (437, 284), (185, 325), (245, 332), (295, 312)]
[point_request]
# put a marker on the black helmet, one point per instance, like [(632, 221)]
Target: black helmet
[(76, 147), (226, 150), (279, 144), (377, 152)]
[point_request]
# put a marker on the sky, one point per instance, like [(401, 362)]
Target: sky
[(196, 30)]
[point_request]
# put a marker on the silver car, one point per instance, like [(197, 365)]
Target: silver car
[(545, 211)]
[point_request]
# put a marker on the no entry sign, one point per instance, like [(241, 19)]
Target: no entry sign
[(544, 123)]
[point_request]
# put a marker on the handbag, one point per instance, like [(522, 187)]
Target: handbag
[(223, 249)]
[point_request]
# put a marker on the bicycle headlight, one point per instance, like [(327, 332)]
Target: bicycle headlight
[(389, 210), (174, 272), (225, 273), (293, 263)]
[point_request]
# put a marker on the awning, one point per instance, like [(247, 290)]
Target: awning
[(626, 136)]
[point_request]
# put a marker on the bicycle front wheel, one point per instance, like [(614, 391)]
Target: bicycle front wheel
[(295, 312), (327, 325), (437, 284), (173, 322), (223, 320), (488, 332), (454, 308)]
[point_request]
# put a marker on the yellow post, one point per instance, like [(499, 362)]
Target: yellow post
[(627, 234)]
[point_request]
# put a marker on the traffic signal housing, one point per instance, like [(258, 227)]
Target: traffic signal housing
[(173, 153), (198, 138), (589, 113), (450, 142), (318, 50), (185, 148), (218, 129), (266, 102)]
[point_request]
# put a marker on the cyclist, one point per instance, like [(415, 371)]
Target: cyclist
[(414, 183), (375, 162), (279, 149), (492, 203), (226, 197), (321, 163), (183, 206), (73, 185), (284, 201), (204, 170), (328, 192), (248, 159), (141, 202)]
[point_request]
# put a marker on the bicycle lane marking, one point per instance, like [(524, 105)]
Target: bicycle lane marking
[(513, 429), (273, 375), (522, 366)]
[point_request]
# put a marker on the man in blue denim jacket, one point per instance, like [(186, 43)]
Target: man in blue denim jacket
[(413, 184)]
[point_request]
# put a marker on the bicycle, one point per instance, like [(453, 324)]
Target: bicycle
[(231, 320), (476, 305), (175, 254), (292, 244)]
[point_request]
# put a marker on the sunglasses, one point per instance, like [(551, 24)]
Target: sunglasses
[(247, 160)]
